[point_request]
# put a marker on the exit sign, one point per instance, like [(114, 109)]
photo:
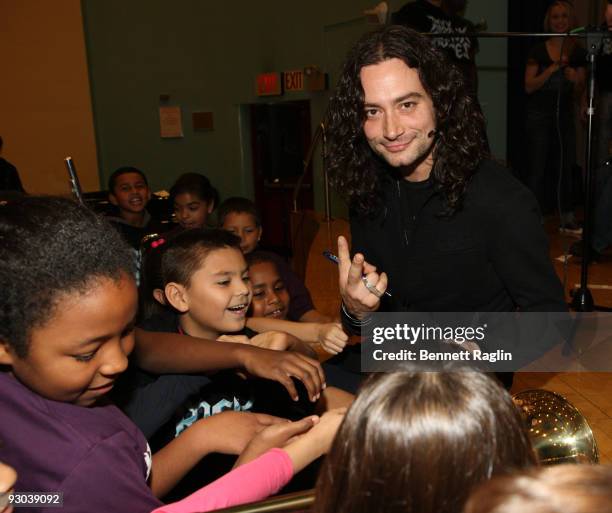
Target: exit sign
[(294, 80), (269, 84)]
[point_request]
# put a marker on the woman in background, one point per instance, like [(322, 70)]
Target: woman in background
[(554, 77)]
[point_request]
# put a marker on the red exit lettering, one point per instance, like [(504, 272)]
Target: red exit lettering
[(294, 80)]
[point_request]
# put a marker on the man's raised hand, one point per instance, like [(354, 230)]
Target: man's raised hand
[(361, 287)]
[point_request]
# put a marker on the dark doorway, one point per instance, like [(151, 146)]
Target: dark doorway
[(280, 138)]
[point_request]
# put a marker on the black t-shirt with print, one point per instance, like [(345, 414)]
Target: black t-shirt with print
[(193, 397), (422, 16)]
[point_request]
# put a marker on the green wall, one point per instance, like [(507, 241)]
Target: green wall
[(492, 70), (205, 55)]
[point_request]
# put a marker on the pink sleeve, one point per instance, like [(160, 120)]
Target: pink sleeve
[(251, 482)]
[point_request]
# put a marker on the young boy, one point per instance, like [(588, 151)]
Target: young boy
[(128, 190), (240, 217), (205, 280), (162, 378)]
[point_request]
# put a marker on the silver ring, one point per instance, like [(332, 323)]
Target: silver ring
[(371, 288)]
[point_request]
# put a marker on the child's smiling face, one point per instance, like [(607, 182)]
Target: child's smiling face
[(218, 295), (270, 297), (131, 193), (79, 352)]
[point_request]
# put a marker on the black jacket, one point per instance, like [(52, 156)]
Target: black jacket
[(9, 177), (490, 256)]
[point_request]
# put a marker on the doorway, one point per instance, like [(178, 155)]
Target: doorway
[(280, 138)]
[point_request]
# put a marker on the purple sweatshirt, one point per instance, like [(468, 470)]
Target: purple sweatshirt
[(95, 456), (100, 460)]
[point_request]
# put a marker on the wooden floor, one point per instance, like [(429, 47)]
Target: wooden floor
[(591, 393)]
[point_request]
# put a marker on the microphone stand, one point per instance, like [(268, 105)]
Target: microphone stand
[(582, 299)]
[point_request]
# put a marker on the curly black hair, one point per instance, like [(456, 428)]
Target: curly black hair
[(355, 170), (50, 247)]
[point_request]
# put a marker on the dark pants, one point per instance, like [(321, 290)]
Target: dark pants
[(602, 214), (603, 128), (543, 154)]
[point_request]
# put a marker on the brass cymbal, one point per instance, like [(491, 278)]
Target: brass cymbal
[(558, 431)]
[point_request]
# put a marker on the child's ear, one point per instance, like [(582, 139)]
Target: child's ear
[(176, 295), (6, 355), (159, 296), (211, 207), (260, 232), (112, 198)]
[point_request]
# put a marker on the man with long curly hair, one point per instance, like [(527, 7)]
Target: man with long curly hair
[(451, 229)]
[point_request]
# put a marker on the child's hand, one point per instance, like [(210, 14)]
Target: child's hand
[(280, 341), (8, 476), (274, 340), (275, 436), (332, 337), (323, 432), (281, 366), (317, 441), (234, 339), (229, 432)]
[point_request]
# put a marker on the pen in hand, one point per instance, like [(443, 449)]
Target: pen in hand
[(333, 258)]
